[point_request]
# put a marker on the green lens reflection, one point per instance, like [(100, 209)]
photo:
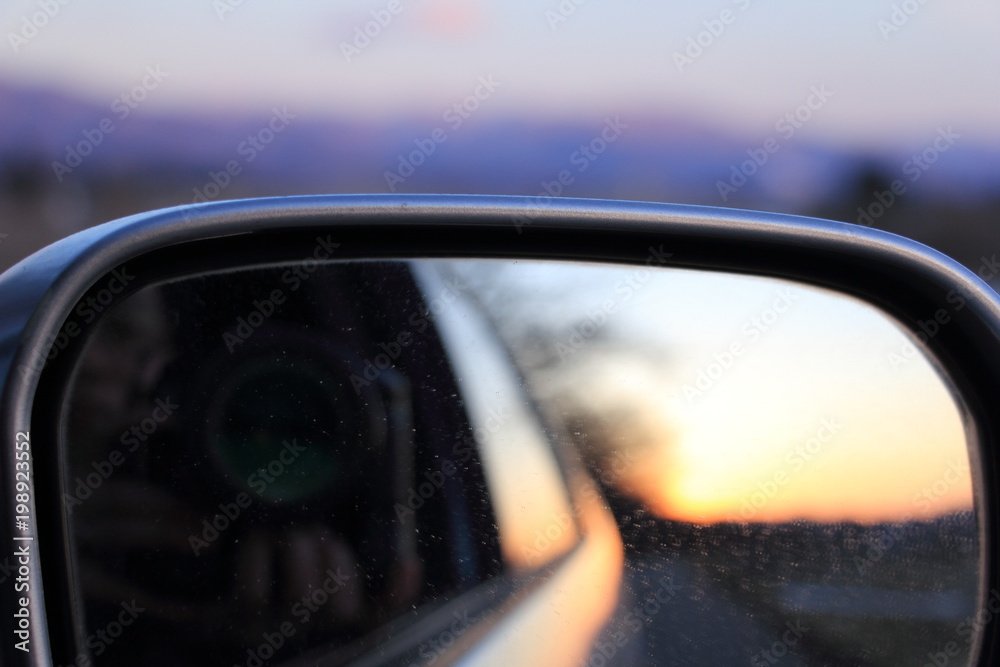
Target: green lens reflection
[(284, 429)]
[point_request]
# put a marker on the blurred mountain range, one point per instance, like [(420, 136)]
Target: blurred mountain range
[(136, 161)]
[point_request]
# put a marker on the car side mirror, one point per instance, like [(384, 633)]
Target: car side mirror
[(401, 429)]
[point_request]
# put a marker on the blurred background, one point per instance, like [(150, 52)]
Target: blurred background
[(883, 113)]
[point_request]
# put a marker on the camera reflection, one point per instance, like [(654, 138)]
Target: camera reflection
[(241, 451)]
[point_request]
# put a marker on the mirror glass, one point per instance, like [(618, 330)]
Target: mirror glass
[(787, 454), (326, 459)]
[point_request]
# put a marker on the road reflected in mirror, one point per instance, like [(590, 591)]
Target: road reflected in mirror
[(785, 454)]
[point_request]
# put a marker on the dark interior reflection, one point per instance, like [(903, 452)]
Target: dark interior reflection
[(242, 448)]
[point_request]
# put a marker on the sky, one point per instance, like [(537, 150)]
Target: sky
[(825, 409), (890, 87)]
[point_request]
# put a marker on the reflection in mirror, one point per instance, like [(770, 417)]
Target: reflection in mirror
[(322, 460), (266, 464), (785, 455)]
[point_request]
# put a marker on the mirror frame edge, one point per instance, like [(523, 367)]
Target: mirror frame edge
[(900, 276)]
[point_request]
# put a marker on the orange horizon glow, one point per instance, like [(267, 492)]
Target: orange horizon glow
[(758, 507), (686, 484), (873, 444), (779, 498), (752, 399)]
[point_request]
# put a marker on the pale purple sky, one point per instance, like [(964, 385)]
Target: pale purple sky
[(891, 89)]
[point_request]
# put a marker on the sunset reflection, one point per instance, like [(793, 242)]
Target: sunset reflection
[(719, 398)]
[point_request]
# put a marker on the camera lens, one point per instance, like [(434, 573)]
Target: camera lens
[(287, 427)]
